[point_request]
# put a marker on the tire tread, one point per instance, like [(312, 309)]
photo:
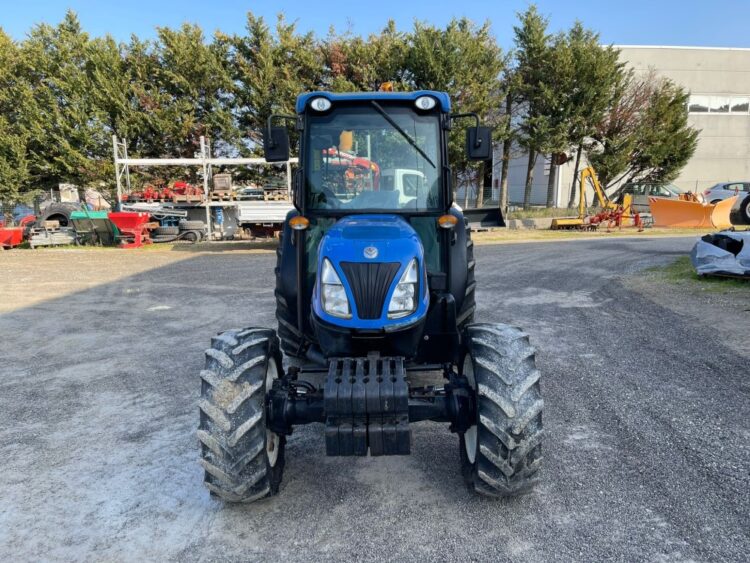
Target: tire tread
[(510, 405)]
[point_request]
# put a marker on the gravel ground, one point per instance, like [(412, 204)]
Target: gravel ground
[(647, 416)]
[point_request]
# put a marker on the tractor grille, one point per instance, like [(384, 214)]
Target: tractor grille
[(370, 282)]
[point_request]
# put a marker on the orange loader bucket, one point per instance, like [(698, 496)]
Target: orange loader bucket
[(669, 212)]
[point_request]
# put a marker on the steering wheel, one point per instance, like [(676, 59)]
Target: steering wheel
[(330, 198)]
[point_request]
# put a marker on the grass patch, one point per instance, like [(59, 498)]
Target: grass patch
[(541, 212), (500, 236), (681, 272)]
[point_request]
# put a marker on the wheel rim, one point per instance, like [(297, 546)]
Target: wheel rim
[(747, 211), (470, 436), (272, 439)]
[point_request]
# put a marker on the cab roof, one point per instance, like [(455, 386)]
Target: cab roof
[(442, 98)]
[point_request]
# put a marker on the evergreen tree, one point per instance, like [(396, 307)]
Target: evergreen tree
[(596, 75), (14, 98), (66, 137), (269, 71), (533, 54), (645, 135), (362, 64), (464, 60)]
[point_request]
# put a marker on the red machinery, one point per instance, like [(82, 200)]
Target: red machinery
[(353, 166), (133, 228), (26, 220), (178, 190), (11, 236), (183, 188)]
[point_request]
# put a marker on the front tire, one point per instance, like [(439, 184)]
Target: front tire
[(242, 459), (745, 210), (502, 453)]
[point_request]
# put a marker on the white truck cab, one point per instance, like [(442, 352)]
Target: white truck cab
[(407, 182)]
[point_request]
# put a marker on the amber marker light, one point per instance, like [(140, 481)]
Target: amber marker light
[(447, 221), (299, 223)]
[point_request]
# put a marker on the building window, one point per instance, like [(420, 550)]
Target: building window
[(702, 103), (698, 104), (741, 105), (719, 104)]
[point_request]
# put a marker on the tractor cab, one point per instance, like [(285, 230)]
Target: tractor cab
[(375, 289), (374, 181)]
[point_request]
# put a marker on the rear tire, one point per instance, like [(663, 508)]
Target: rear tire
[(502, 453), (291, 340), (164, 231), (468, 306), (242, 459), (60, 212), (190, 236)]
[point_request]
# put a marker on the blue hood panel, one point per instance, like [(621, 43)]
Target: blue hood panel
[(352, 239)]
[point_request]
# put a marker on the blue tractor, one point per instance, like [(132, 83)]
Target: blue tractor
[(375, 299)]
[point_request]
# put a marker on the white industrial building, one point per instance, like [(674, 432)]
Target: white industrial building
[(718, 80)]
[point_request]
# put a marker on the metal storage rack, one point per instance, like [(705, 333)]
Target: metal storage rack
[(203, 160)]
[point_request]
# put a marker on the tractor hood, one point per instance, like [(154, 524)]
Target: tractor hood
[(370, 255)]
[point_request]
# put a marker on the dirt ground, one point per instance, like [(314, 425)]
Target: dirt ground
[(721, 304), (647, 418)]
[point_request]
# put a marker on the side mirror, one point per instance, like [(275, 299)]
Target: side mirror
[(297, 189), (276, 144), (479, 143)]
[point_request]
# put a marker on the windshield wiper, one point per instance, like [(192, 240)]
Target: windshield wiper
[(404, 134)]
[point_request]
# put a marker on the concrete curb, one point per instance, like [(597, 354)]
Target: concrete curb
[(520, 224)]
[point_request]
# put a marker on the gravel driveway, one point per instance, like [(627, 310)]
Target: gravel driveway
[(647, 416)]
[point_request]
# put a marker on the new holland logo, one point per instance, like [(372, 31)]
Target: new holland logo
[(371, 252)]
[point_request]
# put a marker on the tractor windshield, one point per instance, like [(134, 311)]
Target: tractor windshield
[(373, 158)]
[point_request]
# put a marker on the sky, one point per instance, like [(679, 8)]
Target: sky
[(714, 23)]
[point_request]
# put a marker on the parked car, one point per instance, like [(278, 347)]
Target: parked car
[(723, 190), (250, 193), (642, 191)]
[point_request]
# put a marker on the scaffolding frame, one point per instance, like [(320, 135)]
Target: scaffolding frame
[(204, 160)]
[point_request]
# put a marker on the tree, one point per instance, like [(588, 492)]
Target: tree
[(269, 71), (557, 105), (354, 63), (509, 129), (645, 135), (533, 52), (464, 60), (666, 141), (66, 138), (14, 97), (596, 75)]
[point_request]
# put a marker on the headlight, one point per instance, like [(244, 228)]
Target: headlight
[(425, 102), (320, 104), (332, 292), (404, 300)]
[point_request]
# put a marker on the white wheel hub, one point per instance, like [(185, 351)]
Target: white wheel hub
[(272, 439), (470, 436)]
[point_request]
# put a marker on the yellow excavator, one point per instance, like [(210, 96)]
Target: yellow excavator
[(684, 211), (612, 213)]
